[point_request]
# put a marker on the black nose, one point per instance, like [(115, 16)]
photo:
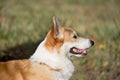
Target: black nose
[(92, 42)]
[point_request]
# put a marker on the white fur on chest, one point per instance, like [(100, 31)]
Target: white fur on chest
[(54, 60), (67, 70)]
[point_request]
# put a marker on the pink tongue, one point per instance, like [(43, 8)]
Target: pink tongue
[(84, 51), (79, 51)]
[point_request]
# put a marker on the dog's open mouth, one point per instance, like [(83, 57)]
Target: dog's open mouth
[(75, 50)]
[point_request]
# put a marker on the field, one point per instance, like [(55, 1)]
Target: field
[(24, 23)]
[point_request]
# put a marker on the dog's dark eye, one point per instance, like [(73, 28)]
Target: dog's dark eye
[(75, 37)]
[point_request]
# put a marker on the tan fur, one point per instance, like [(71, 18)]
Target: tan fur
[(24, 70), (53, 42), (68, 35)]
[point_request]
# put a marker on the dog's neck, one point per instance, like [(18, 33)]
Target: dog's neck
[(54, 60)]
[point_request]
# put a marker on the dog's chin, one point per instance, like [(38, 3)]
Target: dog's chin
[(78, 52)]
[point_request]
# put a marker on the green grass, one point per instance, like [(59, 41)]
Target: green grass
[(27, 21)]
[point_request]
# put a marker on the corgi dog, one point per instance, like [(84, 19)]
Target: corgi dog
[(51, 60)]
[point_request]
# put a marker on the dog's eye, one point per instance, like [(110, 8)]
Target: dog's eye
[(75, 36)]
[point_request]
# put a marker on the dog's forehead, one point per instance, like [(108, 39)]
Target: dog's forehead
[(69, 31)]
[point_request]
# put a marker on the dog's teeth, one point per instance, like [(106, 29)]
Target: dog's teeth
[(74, 50)]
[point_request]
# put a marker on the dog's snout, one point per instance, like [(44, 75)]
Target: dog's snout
[(92, 42)]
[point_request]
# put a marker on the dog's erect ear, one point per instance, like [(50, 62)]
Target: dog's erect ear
[(56, 28)]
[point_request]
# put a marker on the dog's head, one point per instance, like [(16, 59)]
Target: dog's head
[(65, 41)]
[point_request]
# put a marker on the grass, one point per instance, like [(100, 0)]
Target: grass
[(28, 21)]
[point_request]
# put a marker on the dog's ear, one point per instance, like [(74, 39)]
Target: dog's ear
[(56, 28)]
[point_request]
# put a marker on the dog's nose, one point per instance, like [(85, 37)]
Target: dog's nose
[(92, 42)]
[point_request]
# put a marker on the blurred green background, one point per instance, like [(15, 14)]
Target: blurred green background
[(24, 23)]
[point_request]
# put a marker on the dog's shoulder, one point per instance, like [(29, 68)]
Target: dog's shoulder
[(24, 69)]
